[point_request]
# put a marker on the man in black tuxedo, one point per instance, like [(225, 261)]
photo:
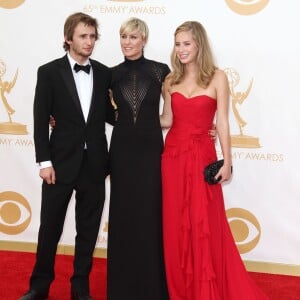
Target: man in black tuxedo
[(75, 91)]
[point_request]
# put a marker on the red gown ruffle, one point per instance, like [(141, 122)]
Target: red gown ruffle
[(202, 261)]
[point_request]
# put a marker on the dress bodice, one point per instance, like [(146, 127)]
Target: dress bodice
[(192, 119), (136, 86), (192, 115)]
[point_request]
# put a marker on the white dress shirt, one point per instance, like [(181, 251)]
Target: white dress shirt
[(84, 86)]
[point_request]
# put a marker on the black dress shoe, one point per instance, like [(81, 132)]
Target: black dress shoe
[(76, 296), (34, 295)]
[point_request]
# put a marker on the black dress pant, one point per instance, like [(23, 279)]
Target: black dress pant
[(89, 197)]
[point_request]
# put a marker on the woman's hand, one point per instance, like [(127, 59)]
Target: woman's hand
[(224, 173), (213, 132)]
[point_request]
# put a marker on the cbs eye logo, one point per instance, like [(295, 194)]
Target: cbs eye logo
[(245, 228), (15, 213)]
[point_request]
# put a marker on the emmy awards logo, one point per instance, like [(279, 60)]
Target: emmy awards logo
[(9, 127), (247, 7), (10, 4), (241, 140)]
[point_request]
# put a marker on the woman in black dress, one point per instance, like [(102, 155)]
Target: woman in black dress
[(135, 252)]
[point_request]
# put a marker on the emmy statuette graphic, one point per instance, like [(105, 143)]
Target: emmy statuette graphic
[(241, 140), (9, 127)]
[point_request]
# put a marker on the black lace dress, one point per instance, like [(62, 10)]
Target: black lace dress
[(135, 251)]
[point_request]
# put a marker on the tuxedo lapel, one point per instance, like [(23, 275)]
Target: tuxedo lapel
[(96, 79), (68, 78)]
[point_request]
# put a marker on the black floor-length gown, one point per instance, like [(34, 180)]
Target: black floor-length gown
[(135, 252)]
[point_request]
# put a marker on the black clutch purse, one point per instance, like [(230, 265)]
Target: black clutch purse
[(211, 171)]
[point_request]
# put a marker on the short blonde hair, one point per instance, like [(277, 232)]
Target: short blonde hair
[(133, 24)]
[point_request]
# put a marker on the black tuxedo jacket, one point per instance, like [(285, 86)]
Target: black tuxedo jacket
[(56, 95)]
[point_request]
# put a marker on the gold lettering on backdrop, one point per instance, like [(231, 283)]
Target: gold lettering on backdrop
[(119, 9), (11, 3), (254, 156), (24, 142), (6, 142), (15, 213), (9, 127), (238, 97), (16, 142), (245, 228), (264, 157), (247, 7)]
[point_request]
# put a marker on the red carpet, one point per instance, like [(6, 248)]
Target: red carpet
[(15, 268)]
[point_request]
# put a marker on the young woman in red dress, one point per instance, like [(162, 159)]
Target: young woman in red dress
[(201, 258)]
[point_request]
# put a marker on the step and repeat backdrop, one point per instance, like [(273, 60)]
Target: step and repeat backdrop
[(254, 41)]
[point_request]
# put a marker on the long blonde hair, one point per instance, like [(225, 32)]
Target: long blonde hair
[(204, 58)]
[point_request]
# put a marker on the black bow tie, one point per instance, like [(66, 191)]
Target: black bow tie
[(85, 68)]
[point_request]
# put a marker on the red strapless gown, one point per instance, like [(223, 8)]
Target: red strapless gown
[(202, 261)]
